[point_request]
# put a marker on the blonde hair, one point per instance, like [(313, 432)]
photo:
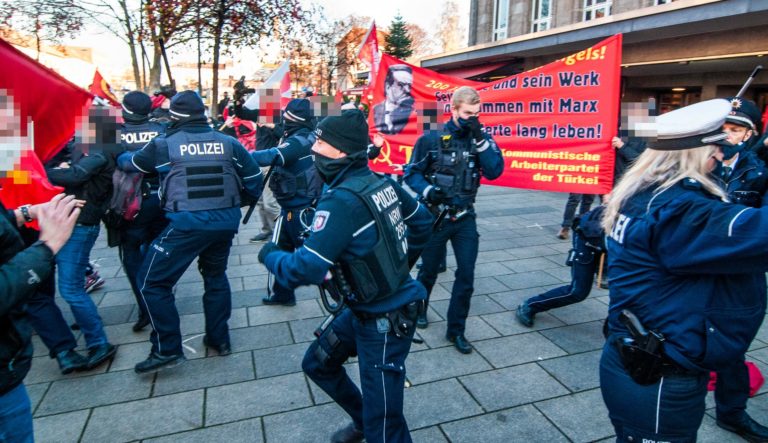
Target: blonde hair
[(465, 94), (662, 169)]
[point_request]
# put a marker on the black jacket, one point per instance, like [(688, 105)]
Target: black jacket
[(88, 178), (21, 271), (625, 156)]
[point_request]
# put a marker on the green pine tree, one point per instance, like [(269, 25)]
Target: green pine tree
[(398, 43)]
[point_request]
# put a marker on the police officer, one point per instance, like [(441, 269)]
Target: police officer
[(295, 182), (744, 178), (136, 235), (682, 264), (445, 171), (202, 173), (367, 229)]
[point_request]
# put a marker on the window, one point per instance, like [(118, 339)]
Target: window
[(542, 15), (662, 2), (596, 9), (500, 18)]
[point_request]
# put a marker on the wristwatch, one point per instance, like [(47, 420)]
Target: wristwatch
[(25, 213)]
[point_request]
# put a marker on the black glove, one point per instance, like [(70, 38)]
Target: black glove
[(476, 129), (435, 195), (267, 249)]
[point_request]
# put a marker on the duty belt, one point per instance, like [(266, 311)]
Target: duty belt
[(455, 213)]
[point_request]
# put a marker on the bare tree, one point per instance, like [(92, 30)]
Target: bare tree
[(49, 20), (450, 33), (421, 43)]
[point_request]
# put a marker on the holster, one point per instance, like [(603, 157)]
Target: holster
[(403, 320), (645, 368)]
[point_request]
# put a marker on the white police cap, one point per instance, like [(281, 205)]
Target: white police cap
[(693, 126)]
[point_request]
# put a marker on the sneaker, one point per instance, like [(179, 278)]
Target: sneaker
[(157, 362), (525, 314), (70, 361), (259, 238), (93, 282)]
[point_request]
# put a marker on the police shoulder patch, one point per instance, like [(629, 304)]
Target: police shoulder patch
[(320, 220)]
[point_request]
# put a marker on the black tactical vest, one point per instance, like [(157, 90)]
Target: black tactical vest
[(202, 175), (299, 180), (456, 170), (380, 272)]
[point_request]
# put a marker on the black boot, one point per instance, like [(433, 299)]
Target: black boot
[(525, 314), (70, 361), (156, 362), (747, 428), (460, 342), (347, 434), (99, 354), (141, 323), (221, 349)]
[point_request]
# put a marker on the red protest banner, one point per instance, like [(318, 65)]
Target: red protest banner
[(554, 124)]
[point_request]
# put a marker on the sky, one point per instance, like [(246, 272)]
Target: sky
[(112, 57)]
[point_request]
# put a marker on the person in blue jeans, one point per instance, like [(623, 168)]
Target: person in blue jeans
[(584, 259), (87, 176)]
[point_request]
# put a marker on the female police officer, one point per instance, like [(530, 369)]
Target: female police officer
[(682, 264), (360, 223)]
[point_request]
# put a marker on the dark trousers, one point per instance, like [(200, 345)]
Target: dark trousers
[(573, 202), (45, 316), (465, 241), (585, 261), (732, 392), (670, 410), (378, 411), (135, 239), (290, 239), (170, 254)]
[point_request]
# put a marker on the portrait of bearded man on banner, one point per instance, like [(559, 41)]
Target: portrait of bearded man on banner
[(392, 115)]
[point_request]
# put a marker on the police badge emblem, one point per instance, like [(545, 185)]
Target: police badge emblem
[(321, 218)]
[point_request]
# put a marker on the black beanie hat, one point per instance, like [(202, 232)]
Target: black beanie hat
[(744, 112), (348, 132), (299, 110), (137, 103), (187, 104)]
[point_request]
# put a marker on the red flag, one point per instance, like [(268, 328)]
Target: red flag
[(100, 88), (40, 110), (370, 55), (554, 124)]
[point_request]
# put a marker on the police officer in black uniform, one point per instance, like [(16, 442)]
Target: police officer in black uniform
[(367, 230), (137, 131), (445, 171), (295, 182), (202, 174), (744, 177), (687, 279)]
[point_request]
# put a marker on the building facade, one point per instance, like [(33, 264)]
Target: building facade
[(677, 52)]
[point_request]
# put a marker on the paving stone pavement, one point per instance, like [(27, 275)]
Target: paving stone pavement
[(520, 385)]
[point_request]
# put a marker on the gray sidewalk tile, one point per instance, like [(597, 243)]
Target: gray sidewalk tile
[(205, 372), (279, 361), (262, 315), (60, 428), (577, 372), (304, 330), (476, 329), (36, 393), (709, 432), (577, 338), (428, 435), (260, 337), (517, 349), (255, 398), (310, 425), (562, 274), (507, 324), (438, 402), (145, 418), (504, 388), (117, 298), (588, 310), (480, 305), (532, 251), (246, 431), (426, 366), (582, 417), (525, 280), (511, 299), (119, 334), (529, 264), (522, 424), (46, 369), (97, 390)]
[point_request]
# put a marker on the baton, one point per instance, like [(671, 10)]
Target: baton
[(439, 219), (749, 81), (249, 213)]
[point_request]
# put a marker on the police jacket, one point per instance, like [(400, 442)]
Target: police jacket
[(690, 267), (219, 181), (747, 182), (89, 178), (420, 175), (136, 135), (294, 182), (344, 229), (21, 270)]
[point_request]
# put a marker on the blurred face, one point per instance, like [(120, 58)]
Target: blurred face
[(326, 150), (736, 133), (465, 111), (400, 88)]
